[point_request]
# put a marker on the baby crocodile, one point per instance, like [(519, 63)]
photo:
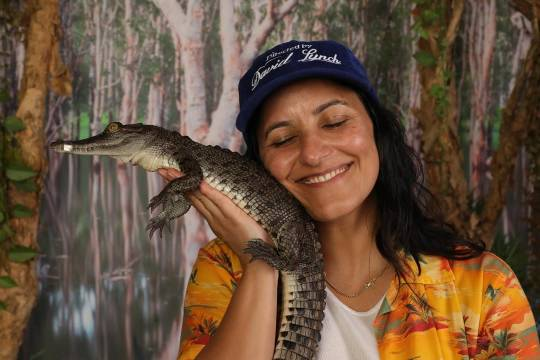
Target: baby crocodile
[(296, 251)]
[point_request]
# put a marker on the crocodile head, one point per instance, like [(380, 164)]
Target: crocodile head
[(134, 143)]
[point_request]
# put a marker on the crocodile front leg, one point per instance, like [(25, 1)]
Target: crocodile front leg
[(188, 182), (172, 210), (294, 251), (173, 195)]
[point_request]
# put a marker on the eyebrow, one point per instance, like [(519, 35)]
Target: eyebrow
[(327, 104), (279, 124), (318, 110)]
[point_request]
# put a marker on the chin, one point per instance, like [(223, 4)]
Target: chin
[(326, 214), (337, 210)]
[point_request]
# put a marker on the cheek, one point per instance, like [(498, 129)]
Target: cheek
[(277, 165), (359, 143)]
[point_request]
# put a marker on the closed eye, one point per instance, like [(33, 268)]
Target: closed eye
[(282, 142), (335, 124)]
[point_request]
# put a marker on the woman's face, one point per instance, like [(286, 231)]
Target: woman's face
[(316, 139)]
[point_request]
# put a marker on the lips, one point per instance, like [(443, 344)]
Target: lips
[(325, 176)]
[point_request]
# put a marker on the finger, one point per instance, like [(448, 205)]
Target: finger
[(162, 172), (174, 173), (170, 173), (165, 174), (210, 205), (220, 200), (199, 205)]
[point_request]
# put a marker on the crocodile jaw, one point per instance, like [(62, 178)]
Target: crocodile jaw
[(149, 161)]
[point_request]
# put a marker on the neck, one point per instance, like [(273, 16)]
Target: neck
[(349, 241)]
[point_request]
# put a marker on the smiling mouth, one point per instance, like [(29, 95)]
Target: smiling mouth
[(325, 177)]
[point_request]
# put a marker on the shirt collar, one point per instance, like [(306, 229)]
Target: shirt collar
[(435, 270)]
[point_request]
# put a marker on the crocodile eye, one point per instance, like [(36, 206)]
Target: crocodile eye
[(113, 127)]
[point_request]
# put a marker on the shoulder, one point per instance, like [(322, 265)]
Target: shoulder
[(484, 266), (480, 280)]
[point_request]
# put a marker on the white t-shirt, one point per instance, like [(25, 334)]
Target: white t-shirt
[(346, 333)]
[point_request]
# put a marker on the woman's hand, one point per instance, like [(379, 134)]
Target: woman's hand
[(228, 221)]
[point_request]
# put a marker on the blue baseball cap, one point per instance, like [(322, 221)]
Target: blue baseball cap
[(294, 60)]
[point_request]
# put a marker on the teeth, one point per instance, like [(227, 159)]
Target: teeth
[(326, 177), (68, 147)]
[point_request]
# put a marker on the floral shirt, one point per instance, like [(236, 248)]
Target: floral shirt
[(466, 309)]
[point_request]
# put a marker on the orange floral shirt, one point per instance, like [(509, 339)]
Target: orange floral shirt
[(466, 309)]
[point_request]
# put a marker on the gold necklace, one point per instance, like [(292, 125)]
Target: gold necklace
[(367, 285)]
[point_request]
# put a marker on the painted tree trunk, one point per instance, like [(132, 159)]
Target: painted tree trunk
[(529, 25), (518, 114), (223, 117), (514, 208), (236, 59), (320, 29), (357, 35), (481, 45), (437, 114), (187, 27), (412, 98), (43, 69)]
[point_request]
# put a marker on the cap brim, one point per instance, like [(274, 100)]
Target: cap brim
[(251, 105)]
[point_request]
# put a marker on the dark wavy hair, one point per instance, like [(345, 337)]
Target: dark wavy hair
[(413, 220)]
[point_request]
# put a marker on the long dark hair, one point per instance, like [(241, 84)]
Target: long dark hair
[(413, 221)]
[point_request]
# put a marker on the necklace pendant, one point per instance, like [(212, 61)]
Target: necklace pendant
[(369, 284)]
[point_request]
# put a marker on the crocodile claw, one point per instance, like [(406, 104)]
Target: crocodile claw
[(158, 223), (157, 200)]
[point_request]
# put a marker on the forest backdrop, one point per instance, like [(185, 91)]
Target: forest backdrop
[(79, 277)]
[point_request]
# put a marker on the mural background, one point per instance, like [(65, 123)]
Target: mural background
[(107, 291)]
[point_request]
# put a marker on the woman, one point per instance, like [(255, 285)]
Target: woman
[(401, 283)]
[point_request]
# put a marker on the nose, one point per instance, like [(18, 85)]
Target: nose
[(313, 149)]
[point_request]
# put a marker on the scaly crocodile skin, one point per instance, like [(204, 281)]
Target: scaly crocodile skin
[(296, 251)]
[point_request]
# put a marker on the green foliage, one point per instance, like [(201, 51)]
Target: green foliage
[(7, 282), (5, 232), (430, 22), (104, 119), (13, 124), (420, 31), (84, 126), (425, 58), (19, 172), (496, 128), (440, 94), (19, 253), (21, 211), (430, 17), (12, 168), (4, 95), (28, 185)]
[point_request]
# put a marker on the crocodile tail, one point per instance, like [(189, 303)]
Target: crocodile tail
[(304, 300)]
